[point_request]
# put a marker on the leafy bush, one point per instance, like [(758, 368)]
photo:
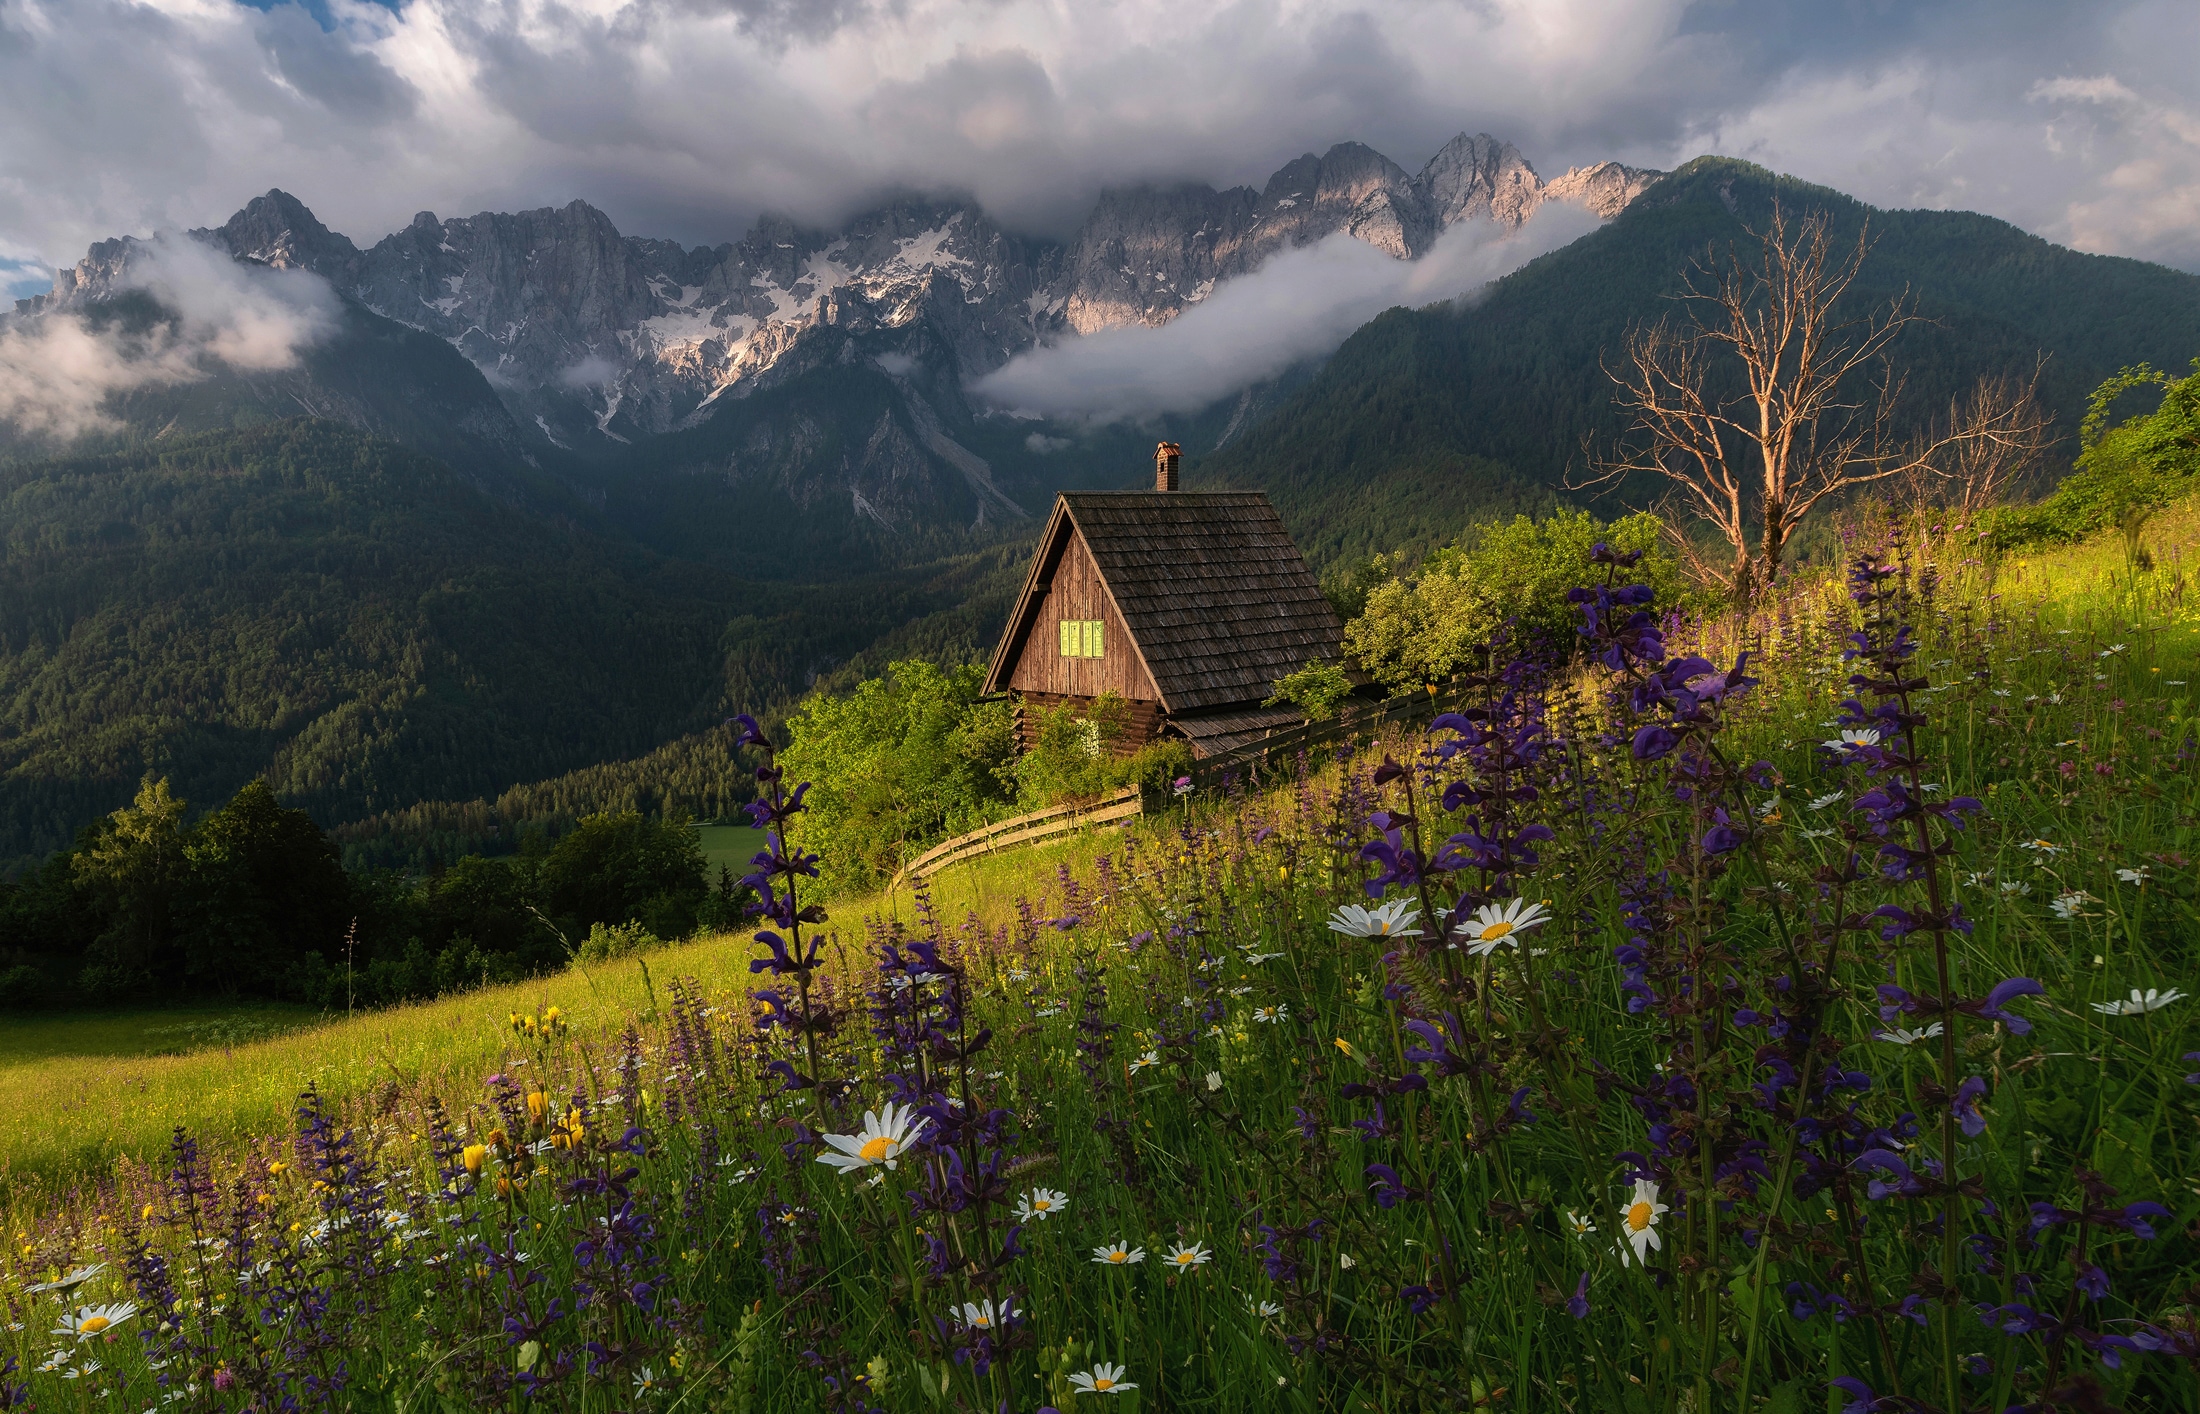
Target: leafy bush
[(1317, 689), (1076, 754), (903, 760), (1435, 622), (2124, 473), (611, 940)]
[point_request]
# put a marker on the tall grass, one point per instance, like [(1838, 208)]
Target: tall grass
[(1377, 1169)]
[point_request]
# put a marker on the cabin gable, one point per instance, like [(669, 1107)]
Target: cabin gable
[(1076, 594)]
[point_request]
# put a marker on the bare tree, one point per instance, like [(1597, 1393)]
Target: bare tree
[(1769, 396)]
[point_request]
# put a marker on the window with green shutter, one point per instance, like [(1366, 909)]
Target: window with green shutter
[(1082, 638)]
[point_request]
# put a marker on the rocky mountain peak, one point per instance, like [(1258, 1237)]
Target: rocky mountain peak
[(278, 230)]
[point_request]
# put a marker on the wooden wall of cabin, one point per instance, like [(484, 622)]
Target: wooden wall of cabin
[(1077, 593), (1141, 722)]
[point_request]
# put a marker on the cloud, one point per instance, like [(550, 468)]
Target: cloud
[(688, 118), (1299, 304), (58, 370)]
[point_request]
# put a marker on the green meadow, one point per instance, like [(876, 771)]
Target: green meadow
[(1185, 1135)]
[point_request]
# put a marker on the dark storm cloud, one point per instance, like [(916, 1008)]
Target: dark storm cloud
[(687, 118)]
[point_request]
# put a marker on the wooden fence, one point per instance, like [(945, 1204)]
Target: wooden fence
[(1023, 829), (1280, 751), (1245, 765)]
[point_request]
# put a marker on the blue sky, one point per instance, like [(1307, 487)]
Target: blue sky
[(688, 118)]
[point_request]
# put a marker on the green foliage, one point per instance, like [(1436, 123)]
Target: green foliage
[(251, 900), (2125, 472), (900, 761), (1428, 625), (622, 868), (1076, 753), (1317, 690), (614, 940)]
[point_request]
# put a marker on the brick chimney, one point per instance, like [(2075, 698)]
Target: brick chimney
[(1165, 458)]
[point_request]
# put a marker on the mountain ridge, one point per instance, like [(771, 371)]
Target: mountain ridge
[(593, 336)]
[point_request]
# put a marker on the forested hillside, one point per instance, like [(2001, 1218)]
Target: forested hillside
[(362, 626), (1486, 405)]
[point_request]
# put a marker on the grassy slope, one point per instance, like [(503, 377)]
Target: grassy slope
[(90, 1093)]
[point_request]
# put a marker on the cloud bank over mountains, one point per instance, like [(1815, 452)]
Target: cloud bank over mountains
[(688, 119), (58, 372), (1300, 304)]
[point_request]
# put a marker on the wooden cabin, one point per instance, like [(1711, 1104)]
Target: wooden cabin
[(1189, 605)]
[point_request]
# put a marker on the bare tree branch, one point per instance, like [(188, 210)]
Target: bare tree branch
[(1768, 398)]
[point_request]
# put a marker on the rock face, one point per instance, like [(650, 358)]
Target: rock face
[(594, 338)]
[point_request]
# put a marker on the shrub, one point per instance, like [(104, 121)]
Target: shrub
[(2123, 473), (1317, 690), (612, 940), (903, 760), (1435, 622)]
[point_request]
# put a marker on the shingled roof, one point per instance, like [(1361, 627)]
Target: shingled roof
[(1215, 594)]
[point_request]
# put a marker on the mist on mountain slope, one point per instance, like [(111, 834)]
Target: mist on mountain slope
[(1300, 304), (59, 369)]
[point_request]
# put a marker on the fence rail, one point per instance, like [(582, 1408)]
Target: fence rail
[(1023, 829), (1352, 723)]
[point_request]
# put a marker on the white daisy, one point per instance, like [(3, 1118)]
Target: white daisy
[(1578, 1225), (984, 1316), (77, 1277), (1900, 1037), (1040, 1203), (1265, 1310), (1640, 1219), (1214, 1080), (1852, 739), (1149, 1058), (2139, 1005), (1118, 1254), (2016, 887), (1496, 925), (1822, 801), (89, 1321), (1195, 1255), (2134, 876), (1387, 920), (885, 1134), (1281, 1011), (2041, 847), (1102, 1378), (2072, 904)]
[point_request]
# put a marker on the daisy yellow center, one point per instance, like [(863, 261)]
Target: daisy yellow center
[(1184, 1259), (1119, 1257), (1638, 1215), (1495, 931), (1042, 1205), (874, 1150), (1103, 1384), (93, 1325), (981, 1319)]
